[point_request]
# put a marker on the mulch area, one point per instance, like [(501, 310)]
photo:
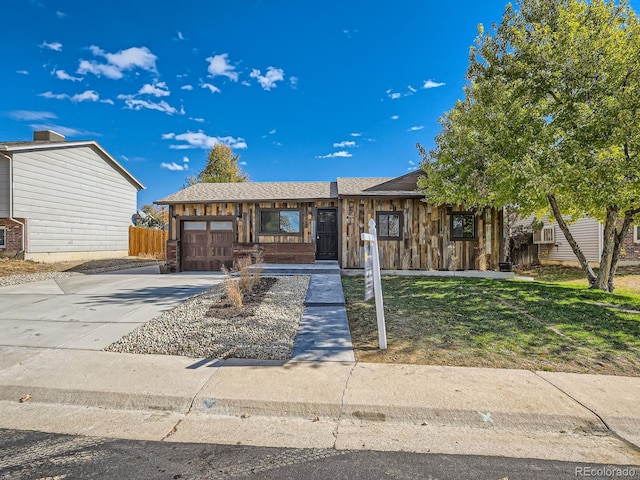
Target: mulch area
[(224, 309)]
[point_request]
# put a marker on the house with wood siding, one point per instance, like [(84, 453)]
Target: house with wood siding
[(213, 224), (64, 200)]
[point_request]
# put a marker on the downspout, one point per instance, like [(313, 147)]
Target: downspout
[(22, 226)]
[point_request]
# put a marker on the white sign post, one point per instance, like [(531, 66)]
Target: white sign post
[(372, 269)]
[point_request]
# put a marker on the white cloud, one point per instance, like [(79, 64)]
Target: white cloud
[(394, 95), (293, 82), (415, 128), (395, 117), (158, 89), (356, 134), (197, 119), (341, 153), (60, 14), (269, 79), (174, 166), (31, 115), (99, 69), (108, 100), (56, 46), (180, 36), (245, 83), (22, 72), (62, 75), (185, 159), (212, 88), (124, 60), (432, 84), (242, 163), (345, 144), (200, 140), (411, 162), (86, 96), (66, 131), (137, 104), (272, 132), (411, 89), (186, 87), (220, 67), (57, 96)]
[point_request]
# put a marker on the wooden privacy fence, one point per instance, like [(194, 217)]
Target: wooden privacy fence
[(147, 241)]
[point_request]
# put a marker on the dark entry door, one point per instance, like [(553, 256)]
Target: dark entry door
[(327, 234)]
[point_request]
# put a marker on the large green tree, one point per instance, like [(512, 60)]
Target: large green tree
[(549, 121), (222, 167)]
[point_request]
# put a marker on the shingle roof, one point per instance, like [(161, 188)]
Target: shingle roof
[(366, 187), (253, 191)]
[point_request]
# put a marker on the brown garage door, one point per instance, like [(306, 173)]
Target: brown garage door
[(206, 244)]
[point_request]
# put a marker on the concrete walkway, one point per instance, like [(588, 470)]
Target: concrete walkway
[(323, 334)]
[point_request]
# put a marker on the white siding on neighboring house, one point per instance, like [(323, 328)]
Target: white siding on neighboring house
[(74, 200), (586, 231), (4, 187)]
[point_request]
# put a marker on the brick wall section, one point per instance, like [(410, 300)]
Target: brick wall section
[(631, 249), (173, 255), (13, 236)]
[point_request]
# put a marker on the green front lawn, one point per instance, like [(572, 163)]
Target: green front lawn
[(504, 324)]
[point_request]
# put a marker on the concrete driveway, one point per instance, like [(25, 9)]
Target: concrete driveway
[(89, 312)]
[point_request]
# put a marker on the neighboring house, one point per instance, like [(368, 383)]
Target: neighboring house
[(212, 224), (63, 200), (553, 247)]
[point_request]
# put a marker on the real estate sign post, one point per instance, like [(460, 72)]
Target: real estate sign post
[(372, 280)]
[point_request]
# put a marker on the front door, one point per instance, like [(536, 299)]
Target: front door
[(327, 234)]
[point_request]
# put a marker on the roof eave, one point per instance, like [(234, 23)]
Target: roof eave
[(84, 143), (247, 200)]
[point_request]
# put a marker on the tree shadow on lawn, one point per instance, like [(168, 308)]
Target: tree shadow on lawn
[(502, 323)]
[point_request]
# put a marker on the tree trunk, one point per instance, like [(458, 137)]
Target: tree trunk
[(591, 276), (619, 238), (610, 248)]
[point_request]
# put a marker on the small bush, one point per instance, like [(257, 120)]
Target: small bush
[(231, 288), (246, 279)]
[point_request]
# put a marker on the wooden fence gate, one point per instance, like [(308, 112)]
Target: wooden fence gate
[(148, 241)]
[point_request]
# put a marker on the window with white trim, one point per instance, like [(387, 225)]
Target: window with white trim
[(3, 237)]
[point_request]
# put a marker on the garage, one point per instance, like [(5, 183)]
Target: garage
[(207, 244)]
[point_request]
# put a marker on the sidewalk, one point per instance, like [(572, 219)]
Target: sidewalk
[(343, 405)]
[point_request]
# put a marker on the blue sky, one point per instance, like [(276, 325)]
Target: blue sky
[(300, 90)]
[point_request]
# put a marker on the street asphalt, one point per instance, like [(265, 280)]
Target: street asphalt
[(52, 333)]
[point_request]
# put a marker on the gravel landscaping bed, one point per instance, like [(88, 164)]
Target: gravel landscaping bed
[(267, 334), (34, 277)]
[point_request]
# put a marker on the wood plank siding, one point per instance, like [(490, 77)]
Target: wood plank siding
[(425, 242), (248, 240)]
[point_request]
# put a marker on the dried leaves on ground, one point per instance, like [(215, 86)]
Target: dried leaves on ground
[(12, 266)]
